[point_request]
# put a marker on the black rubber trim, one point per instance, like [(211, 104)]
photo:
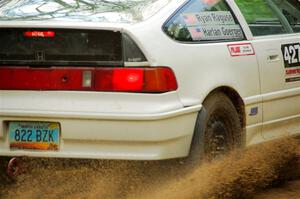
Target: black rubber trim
[(199, 131)]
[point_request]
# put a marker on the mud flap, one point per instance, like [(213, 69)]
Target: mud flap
[(197, 145)]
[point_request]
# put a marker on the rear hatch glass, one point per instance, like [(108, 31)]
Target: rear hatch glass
[(60, 47)]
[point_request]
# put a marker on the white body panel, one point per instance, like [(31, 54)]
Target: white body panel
[(104, 125), (281, 107), (159, 126), (201, 68), (96, 133)]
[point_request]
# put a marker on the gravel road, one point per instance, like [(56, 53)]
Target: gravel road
[(260, 172)]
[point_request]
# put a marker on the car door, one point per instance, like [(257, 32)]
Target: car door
[(276, 40)]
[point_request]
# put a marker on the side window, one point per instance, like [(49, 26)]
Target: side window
[(204, 20), (291, 10), (261, 17)]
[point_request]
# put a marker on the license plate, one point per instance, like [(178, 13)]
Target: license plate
[(34, 135)]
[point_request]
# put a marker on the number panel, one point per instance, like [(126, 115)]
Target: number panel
[(291, 55)]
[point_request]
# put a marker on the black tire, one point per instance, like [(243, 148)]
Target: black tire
[(218, 129)]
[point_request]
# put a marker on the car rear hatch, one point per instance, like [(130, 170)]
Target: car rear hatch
[(77, 59)]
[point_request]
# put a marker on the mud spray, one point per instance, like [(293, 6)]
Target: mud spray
[(241, 174)]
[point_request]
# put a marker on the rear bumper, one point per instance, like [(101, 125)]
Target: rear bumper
[(133, 136)]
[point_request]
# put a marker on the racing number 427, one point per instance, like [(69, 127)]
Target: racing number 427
[(291, 53)]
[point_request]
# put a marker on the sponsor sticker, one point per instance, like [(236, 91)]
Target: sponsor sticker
[(212, 25), (291, 57), (244, 49)]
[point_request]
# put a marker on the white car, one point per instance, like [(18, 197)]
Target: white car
[(147, 79)]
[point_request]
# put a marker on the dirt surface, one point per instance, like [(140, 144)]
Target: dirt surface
[(290, 190), (260, 172)]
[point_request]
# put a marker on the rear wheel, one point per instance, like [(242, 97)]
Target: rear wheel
[(218, 132)]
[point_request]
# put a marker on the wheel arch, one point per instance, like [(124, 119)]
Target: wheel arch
[(197, 147), (235, 98)]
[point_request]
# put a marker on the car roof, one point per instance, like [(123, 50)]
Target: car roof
[(107, 11)]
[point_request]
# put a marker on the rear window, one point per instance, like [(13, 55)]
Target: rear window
[(60, 47), (204, 20)]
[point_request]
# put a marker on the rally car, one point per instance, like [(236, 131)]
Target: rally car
[(147, 79)]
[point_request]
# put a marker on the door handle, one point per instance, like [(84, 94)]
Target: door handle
[(273, 58)]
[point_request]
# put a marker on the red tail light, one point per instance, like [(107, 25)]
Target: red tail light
[(143, 80), (39, 34)]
